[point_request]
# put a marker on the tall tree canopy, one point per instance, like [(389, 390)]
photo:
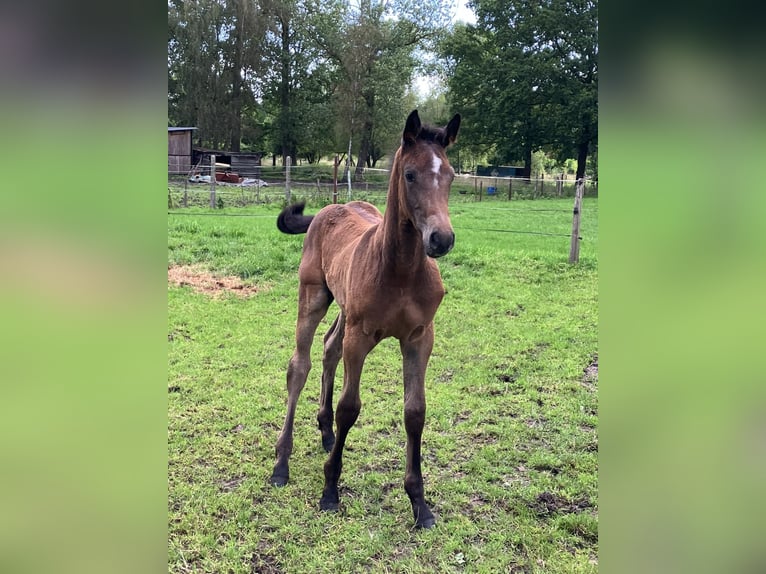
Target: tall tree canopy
[(288, 75), (300, 84), (215, 56), (525, 77), (372, 44), (303, 78)]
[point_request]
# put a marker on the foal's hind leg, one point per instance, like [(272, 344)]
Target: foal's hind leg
[(415, 356), (356, 346), (313, 301), (333, 351)]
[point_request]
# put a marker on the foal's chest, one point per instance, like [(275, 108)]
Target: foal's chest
[(399, 312)]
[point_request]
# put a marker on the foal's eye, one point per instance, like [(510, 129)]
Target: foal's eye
[(409, 176)]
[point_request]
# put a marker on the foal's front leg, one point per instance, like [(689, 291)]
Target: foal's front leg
[(415, 356)]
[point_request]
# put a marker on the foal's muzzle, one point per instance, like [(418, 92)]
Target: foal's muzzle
[(440, 243)]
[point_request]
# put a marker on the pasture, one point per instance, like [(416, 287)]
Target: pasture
[(510, 446)]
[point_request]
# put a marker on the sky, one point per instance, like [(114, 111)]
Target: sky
[(425, 84), (464, 13)]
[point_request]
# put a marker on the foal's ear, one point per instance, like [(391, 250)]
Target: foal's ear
[(411, 128), (451, 130)]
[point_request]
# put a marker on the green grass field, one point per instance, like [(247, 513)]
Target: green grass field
[(510, 447)]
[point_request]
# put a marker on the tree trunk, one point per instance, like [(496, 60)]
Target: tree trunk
[(236, 108), (235, 133), (375, 155), (364, 151), (582, 158), (527, 163), (284, 93), (365, 145)]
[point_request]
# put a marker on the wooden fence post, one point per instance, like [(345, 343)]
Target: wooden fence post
[(288, 163), (212, 181), (481, 189), (574, 248), (510, 188)]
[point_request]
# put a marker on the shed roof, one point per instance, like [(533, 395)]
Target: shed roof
[(178, 129)]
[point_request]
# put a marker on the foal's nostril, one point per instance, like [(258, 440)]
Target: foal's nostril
[(439, 243), (436, 241)]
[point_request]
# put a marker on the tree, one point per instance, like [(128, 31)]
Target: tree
[(214, 56), (573, 47), (291, 75), (372, 45), (299, 91), (525, 77)]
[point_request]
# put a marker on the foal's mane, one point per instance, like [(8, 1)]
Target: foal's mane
[(433, 134), (426, 133)]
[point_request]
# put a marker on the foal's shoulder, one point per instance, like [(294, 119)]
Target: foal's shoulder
[(365, 210), (352, 214)]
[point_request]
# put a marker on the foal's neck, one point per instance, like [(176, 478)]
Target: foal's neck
[(400, 241)]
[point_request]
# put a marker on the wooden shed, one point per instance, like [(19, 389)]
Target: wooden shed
[(246, 164), (180, 149)]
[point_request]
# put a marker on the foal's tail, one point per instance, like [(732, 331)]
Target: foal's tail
[(292, 220)]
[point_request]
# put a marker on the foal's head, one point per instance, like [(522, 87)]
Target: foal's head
[(425, 177)]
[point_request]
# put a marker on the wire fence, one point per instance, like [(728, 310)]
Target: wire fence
[(219, 187)]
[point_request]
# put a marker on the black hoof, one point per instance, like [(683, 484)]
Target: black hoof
[(328, 504), (426, 524), (425, 518), (279, 479)]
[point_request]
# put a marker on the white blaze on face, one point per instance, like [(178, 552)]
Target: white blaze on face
[(436, 164), (431, 216)]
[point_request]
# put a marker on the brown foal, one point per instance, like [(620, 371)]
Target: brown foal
[(380, 270)]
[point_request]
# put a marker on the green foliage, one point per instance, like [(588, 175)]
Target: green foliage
[(510, 444), (372, 46), (303, 78), (525, 77), (297, 77), (215, 53), (544, 164), (299, 84)]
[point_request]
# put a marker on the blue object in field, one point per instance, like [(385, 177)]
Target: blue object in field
[(490, 190)]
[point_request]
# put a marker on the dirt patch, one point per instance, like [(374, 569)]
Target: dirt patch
[(232, 484), (590, 373), (202, 281), (549, 503), (263, 563)]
